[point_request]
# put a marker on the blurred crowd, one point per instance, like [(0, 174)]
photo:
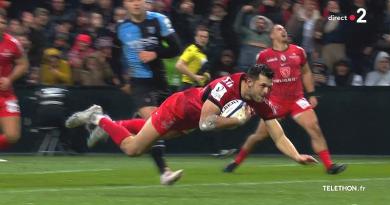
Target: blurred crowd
[(73, 42)]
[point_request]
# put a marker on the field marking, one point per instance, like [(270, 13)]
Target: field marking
[(57, 171), (292, 164), (3, 160), (97, 188)]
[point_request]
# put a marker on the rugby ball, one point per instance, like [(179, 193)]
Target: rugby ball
[(233, 108)]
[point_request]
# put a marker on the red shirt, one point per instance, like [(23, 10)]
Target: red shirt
[(182, 110), (287, 65), (10, 49)]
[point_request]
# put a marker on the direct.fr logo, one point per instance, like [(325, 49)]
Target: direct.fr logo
[(358, 17)]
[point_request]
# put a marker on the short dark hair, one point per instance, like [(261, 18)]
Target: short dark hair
[(260, 69), (201, 28)]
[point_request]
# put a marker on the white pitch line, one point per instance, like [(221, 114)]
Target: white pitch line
[(284, 164), (295, 164), (97, 188), (57, 171), (3, 160)]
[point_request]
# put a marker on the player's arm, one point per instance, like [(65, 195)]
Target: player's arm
[(182, 67), (307, 78), (210, 119), (308, 83), (284, 144), (169, 37), (172, 47), (21, 68)]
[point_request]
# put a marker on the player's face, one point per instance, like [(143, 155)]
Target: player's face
[(135, 7), (3, 25), (260, 88), (202, 38), (279, 34)]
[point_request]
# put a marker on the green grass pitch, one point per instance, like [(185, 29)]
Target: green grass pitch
[(117, 180)]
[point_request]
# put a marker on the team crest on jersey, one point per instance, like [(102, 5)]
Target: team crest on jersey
[(151, 30), (283, 58), (285, 72)]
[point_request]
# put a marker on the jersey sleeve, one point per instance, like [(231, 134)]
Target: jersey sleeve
[(302, 55), (260, 58), (165, 25), (265, 110), (17, 48), (187, 54), (222, 92)]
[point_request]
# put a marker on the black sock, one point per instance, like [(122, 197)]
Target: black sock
[(157, 152)]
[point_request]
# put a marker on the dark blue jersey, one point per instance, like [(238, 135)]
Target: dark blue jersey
[(147, 36)]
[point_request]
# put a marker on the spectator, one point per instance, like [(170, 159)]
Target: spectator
[(161, 6), (61, 43), (303, 26), (319, 70), (333, 35), (27, 19), (97, 28), (15, 27), (383, 41), (81, 48), (225, 66), (271, 10), (218, 31), (54, 70), (381, 75), (88, 5), (254, 37), (119, 15), (359, 47), (59, 12), (114, 52), (287, 10), (58, 15), (82, 23), (38, 35), (344, 76), (105, 8), (185, 21), (94, 72), (107, 60)]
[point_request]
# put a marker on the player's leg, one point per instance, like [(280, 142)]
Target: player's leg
[(260, 134), (157, 151), (98, 134), (309, 121), (10, 126), (9, 121)]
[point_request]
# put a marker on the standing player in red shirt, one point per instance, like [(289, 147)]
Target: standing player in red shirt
[(292, 72), (199, 107), (13, 64)]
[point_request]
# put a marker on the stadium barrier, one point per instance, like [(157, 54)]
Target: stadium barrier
[(354, 120)]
